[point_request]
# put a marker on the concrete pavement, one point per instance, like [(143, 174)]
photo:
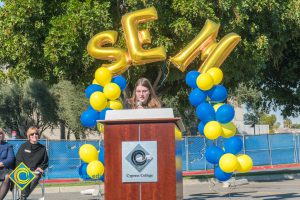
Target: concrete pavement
[(196, 190)]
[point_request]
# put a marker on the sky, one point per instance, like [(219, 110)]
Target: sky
[(1, 3), (280, 118)]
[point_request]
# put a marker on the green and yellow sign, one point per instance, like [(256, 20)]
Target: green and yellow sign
[(22, 176)]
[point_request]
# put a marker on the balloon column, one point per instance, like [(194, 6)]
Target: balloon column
[(103, 95), (215, 121), (93, 162)]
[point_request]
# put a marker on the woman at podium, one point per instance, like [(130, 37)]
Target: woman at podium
[(143, 96)]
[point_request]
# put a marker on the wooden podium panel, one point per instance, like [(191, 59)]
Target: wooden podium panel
[(113, 187), (163, 133)]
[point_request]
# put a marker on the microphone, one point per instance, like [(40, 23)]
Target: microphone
[(139, 103)]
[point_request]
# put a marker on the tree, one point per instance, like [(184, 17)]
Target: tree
[(296, 126), (48, 39), (269, 120), (287, 123), (71, 103), (259, 117), (22, 106)]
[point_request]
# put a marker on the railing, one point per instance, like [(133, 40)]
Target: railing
[(64, 161)]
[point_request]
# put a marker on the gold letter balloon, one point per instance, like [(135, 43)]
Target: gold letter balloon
[(135, 38), (213, 53), (118, 55)]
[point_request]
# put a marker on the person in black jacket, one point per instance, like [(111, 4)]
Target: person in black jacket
[(34, 156)]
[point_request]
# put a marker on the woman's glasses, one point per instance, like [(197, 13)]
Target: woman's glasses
[(35, 133), (142, 91)]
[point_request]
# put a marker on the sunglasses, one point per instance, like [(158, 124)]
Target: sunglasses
[(35, 133)]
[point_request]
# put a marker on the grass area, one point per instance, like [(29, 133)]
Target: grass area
[(199, 177), (82, 183)]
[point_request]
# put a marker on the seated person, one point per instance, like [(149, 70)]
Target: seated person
[(34, 156), (7, 161)]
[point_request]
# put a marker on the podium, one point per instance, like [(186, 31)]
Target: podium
[(142, 156)]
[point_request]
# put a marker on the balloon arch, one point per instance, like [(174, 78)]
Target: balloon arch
[(207, 93)]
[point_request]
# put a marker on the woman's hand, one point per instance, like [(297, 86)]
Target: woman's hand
[(140, 107), (39, 170)]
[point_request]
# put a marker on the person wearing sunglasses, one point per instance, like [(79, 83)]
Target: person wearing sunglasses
[(34, 156), (7, 161), (143, 95)]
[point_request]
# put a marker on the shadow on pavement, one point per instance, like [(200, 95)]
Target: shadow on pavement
[(203, 196), (279, 196), (243, 195)]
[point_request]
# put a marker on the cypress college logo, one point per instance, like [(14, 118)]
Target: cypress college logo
[(139, 158), (139, 161), (22, 176)]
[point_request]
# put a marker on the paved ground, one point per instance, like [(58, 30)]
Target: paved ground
[(194, 190)]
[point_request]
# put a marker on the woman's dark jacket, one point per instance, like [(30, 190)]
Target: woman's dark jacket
[(32, 155), (7, 156)]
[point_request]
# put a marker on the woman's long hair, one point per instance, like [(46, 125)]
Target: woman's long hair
[(152, 101)]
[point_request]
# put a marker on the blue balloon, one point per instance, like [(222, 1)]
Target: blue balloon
[(225, 114), (201, 128), (205, 112), (92, 88), (191, 78), (102, 178), (82, 171), (103, 113), (197, 96), (213, 154), (101, 154), (90, 107), (89, 118), (222, 176), (120, 81), (233, 145), (218, 93)]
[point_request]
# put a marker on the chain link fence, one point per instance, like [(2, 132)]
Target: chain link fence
[(269, 149), (64, 160)]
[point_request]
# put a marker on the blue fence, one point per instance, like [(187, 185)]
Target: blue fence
[(274, 149)]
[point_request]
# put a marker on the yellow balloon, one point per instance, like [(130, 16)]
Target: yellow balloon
[(229, 130), (95, 169), (119, 56), (135, 38), (95, 82), (217, 106), (115, 105), (98, 101), (212, 130), (103, 76), (228, 163), (216, 74), (100, 127), (178, 163), (88, 153), (112, 91), (205, 82), (178, 134), (245, 163)]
